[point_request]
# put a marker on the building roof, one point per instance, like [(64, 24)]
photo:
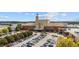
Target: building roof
[(29, 24), (56, 24)]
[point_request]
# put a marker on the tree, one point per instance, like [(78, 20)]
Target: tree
[(1, 32), (77, 44), (5, 30), (65, 42), (20, 35), (29, 33), (10, 38), (10, 24), (16, 37), (18, 27), (25, 34), (10, 29), (3, 41)]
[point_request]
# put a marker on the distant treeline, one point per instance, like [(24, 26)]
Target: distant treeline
[(68, 22), (15, 22)]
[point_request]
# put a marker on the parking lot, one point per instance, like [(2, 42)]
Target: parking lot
[(33, 41), (27, 40), (39, 40), (47, 40)]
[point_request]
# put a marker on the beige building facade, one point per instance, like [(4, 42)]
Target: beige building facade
[(43, 24)]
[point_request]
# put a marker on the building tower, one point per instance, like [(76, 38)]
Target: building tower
[(47, 21), (37, 22)]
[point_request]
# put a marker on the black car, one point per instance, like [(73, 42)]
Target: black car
[(50, 45)]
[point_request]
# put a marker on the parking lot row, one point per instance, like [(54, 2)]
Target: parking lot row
[(33, 41)]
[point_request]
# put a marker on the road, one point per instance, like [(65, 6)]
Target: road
[(24, 42)]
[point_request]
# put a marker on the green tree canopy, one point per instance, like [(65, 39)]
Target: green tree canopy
[(10, 29), (5, 30), (10, 38), (18, 27), (3, 41)]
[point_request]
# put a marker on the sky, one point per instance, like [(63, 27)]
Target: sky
[(30, 16)]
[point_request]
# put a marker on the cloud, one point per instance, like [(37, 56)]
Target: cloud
[(49, 15), (3, 17), (63, 14), (58, 16), (26, 13), (43, 16), (33, 14)]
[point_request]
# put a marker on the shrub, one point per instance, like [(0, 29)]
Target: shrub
[(3, 41), (10, 38)]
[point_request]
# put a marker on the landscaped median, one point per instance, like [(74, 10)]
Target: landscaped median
[(15, 37)]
